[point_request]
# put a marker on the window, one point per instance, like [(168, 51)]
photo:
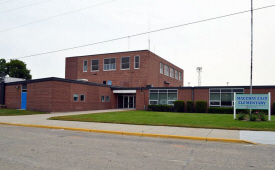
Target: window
[(136, 62), (102, 98), (109, 64), (180, 76), (161, 68), (176, 74), (104, 82), (85, 63), (166, 97), (75, 97), (24, 87), (95, 65), (223, 97), (82, 97), (107, 98), (172, 72), (109, 82), (166, 70), (125, 63)]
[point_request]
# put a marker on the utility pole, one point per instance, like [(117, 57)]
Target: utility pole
[(251, 46)]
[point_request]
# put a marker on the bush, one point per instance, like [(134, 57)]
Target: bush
[(262, 116), (241, 116), (252, 117), (190, 106), (200, 106), (179, 105), (221, 110), (161, 108)]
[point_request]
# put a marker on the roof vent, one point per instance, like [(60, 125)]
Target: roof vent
[(166, 82)]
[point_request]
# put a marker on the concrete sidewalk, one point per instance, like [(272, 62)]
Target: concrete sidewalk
[(141, 130)]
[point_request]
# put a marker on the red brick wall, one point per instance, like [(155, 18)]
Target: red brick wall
[(71, 68), (13, 96), (156, 78), (40, 96), (63, 97), (185, 94), (147, 74), (142, 98)]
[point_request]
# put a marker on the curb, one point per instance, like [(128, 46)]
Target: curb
[(136, 134)]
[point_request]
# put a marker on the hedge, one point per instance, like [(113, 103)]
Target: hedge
[(179, 105), (200, 106), (161, 108), (190, 106)]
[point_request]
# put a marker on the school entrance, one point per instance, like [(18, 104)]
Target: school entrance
[(126, 99)]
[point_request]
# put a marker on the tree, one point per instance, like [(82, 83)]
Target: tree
[(3, 68), (15, 68)]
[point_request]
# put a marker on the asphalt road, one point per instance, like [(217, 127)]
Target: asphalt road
[(36, 148)]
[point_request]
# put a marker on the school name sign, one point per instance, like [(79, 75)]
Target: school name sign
[(252, 101)]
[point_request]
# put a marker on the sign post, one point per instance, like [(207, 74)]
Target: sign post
[(253, 101)]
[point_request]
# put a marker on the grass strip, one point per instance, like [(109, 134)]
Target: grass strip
[(14, 112), (196, 120)]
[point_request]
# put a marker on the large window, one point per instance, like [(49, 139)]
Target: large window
[(161, 68), (85, 63), (109, 64), (95, 65), (176, 74), (166, 97), (172, 72), (180, 76), (223, 97), (136, 62), (125, 63), (166, 70)]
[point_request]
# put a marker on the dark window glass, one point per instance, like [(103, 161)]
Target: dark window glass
[(175, 91), (125, 62), (95, 64), (165, 91), (107, 98), (82, 97), (154, 91), (238, 90), (104, 82)]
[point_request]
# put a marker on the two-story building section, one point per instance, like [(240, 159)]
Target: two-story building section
[(125, 69)]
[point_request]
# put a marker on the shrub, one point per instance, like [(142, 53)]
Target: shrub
[(200, 106), (252, 117), (161, 108), (190, 106), (179, 105), (262, 116), (221, 110), (241, 116)]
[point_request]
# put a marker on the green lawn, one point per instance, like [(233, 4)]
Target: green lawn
[(198, 120), (14, 112)]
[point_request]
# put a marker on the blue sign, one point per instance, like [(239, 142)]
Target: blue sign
[(252, 101)]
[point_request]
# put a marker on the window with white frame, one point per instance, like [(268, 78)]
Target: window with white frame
[(223, 97), (103, 98), (172, 72), (75, 97), (85, 63), (163, 96), (95, 65), (109, 64), (136, 62), (180, 76), (125, 63), (107, 98), (176, 74), (166, 70), (161, 68)]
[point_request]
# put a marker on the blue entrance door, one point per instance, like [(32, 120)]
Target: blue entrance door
[(24, 100)]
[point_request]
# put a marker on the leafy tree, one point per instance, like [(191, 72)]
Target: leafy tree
[(3, 68), (15, 68)]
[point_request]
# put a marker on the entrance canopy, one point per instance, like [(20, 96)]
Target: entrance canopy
[(124, 91)]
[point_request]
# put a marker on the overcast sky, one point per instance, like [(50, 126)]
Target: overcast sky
[(221, 47)]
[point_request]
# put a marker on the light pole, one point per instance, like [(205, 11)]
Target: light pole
[(251, 47)]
